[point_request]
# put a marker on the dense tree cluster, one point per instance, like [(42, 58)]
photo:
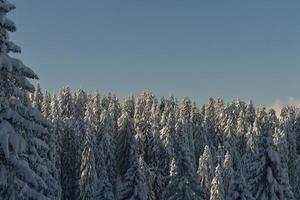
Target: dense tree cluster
[(83, 146), (146, 148)]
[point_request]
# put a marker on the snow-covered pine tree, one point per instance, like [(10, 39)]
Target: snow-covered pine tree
[(135, 184), (219, 110), (183, 182), (238, 106), (80, 102), (46, 105), (105, 103), (57, 129), (243, 126), (227, 171), (105, 141), (238, 189), (287, 144), (114, 109), (27, 100), (37, 99), (142, 122), (96, 110), (24, 160), (70, 159), (71, 145), (185, 112), (231, 139), (167, 133), (297, 129), (66, 103), (155, 144), (104, 188), (128, 106), (162, 104), (199, 133), (266, 177), (250, 113), (210, 124), (206, 171), (88, 177), (221, 116), (125, 136), (231, 142), (156, 159), (219, 155), (296, 186), (296, 171), (217, 191), (273, 120)]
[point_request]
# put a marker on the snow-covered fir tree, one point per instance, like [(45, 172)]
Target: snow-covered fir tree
[(156, 159), (37, 98), (210, 124), (142, 123), (185, 112), (135, 184), (88, 176), (243, 128), (217, 191), (57, 129), (238, 189), (27, 171), (66, 104), (231, 139), (80, 102), (105, 141), (167, 133), (199, 132), (71, 144), (114, 110), (286, 142), (103, 187), (70, 159), (266, 176), (46, 105), (206, 170), (227, 171), (183, 183), (125, 137)]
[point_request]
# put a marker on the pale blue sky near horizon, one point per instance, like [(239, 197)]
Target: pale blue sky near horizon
[(232, 48)]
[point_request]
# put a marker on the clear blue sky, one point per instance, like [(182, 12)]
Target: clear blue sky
[(232, 48)]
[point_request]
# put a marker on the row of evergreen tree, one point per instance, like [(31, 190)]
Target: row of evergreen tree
[(87, 147), (146, 148)]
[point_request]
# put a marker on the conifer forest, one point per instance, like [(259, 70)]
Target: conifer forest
[(75, 145)]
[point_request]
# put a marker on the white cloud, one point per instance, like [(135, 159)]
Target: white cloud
[(277, 105)]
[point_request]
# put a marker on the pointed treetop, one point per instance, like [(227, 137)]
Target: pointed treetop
[(6, 6)]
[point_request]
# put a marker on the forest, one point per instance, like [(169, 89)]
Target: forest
[(77, 145), (145, 148)]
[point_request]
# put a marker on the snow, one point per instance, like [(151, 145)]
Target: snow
[(24, 170), (9, 24), (6, 6), (8, 136), (105, 149)]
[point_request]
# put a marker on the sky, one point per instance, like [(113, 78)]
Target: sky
[(228, 49)]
